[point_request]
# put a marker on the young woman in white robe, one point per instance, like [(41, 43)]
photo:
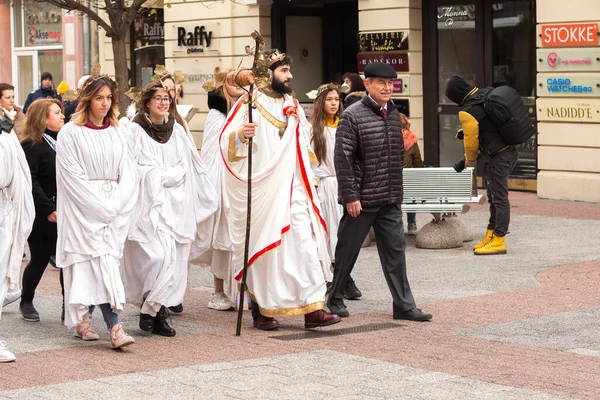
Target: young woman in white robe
[(175, 196), (324, 120), (97, 191), (221, 99), (17, 213)]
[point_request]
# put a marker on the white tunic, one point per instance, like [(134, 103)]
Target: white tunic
[(328, 191), (219, 255), (288, 260), (96, 193), (175, 199), (17, 210)]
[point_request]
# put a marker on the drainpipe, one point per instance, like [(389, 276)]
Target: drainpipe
[(86, 44)]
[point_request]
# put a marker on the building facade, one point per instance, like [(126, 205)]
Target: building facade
[(548, 52), (40, 38)]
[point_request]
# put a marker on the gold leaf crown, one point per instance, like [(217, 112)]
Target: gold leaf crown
[(217, 82), (95, 75), (156, 81), (326, 88)]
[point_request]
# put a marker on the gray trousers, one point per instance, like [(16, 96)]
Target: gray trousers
[(496, 170), (389, 235)]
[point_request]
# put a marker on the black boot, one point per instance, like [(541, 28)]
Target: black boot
[(161, 327), (351, 292), (29, 312), (146, 322)]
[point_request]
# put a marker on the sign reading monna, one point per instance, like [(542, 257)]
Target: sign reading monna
[(191, 39)]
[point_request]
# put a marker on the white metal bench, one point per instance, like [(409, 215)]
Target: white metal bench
[(439, 191)]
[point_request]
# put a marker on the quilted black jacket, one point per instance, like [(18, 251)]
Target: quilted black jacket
[(369, 155)]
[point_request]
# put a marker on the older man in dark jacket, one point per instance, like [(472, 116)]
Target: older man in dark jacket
[(369, 153)]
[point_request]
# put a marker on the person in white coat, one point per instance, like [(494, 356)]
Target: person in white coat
[(17, 213), (175, 198), (221, 98), (96, 193), (324, 121)]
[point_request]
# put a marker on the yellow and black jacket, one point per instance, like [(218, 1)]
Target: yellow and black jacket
[(480, 133)]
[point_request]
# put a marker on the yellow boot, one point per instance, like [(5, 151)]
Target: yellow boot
[(494, 246), (488, 237)]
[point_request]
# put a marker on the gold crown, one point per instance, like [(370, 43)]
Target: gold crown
[(156, 81), (95, 75), (217, 82)]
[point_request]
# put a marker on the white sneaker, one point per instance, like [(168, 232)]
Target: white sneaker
[(220, 302), (5, 355), (11, 297)]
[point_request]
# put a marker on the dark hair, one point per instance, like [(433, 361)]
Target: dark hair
[(356, 82), (317, 120), (5, 86), (287, 60), (46, 75), (149, 93)]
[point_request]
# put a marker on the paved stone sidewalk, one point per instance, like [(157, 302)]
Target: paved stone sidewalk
[(519, 326)]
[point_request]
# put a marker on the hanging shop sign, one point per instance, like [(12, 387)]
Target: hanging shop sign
[(456, 17), (568, 110), (194, 40), (402, 85), (568, 59), (149, 30), (568, 85), (43, 28), (398, 61), (383, 41), (570, 35)]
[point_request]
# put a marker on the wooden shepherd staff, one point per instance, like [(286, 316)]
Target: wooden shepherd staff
[(242, 79)]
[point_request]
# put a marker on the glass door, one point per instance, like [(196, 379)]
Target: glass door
[(25, 68), (455, 47), (487, 43)]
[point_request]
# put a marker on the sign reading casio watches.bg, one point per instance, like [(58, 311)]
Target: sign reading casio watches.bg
[(569, 85), (570, 35)]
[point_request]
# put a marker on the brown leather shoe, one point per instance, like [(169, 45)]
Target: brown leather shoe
[(266, 323), (320, 318)]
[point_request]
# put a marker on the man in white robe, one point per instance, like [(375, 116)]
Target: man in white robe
[(17, 213), (288, 262)]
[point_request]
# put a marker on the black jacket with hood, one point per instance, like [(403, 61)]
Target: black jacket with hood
[(480, 133)]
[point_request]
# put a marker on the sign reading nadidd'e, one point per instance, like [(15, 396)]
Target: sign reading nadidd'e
[(570, 35), (568, 110)]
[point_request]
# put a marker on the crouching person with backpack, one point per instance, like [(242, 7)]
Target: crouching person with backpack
[(483, 136)]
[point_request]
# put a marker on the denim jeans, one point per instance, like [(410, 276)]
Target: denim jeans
[(411, 218), (111, 318), (496, 170)]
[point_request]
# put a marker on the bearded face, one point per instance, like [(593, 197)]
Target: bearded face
[(281, 79)]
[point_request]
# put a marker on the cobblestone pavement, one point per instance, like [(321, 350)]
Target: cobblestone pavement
[(518, 326)]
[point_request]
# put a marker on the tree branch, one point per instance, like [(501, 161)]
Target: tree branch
[(72, 5)]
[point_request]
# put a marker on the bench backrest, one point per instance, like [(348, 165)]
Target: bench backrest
[(438, 184)]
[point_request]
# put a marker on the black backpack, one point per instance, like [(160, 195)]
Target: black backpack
[(505, 109)]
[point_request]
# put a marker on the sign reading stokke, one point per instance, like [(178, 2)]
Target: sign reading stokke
[(568, 110), (569, 59), (574, 85), (398, 61), (570, 35), (382, 41)]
